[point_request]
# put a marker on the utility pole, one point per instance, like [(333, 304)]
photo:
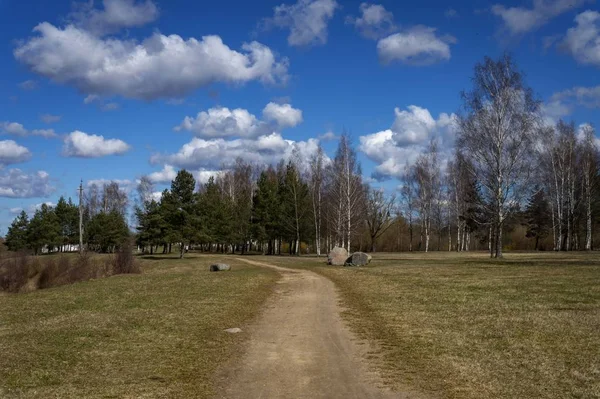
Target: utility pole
[(81, 217)]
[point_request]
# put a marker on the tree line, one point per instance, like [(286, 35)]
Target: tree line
[(510, 177), (56, 228)]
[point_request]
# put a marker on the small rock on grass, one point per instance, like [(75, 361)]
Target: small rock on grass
[(219, 267), (234, 330)]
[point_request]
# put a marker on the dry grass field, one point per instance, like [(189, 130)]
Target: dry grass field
[(154, 335), (447, 325), (464, 326)]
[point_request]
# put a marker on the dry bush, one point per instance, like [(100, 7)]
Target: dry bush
[(14, 272), (124, 261), (19, 272)]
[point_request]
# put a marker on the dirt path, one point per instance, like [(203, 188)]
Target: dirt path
[(300, 348)]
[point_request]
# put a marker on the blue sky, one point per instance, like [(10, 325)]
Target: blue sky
[(117, 89)]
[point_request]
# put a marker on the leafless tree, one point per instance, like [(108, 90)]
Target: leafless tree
[(346, 192), (497, 134), (378, 216), (589, 170), (317, 172), (426, 175), (408, 201)]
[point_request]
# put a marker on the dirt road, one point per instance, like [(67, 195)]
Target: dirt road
[(300, 348)]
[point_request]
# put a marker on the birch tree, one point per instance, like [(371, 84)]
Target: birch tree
[(317, 171), (497, 134), (378, 214), (589, 170)]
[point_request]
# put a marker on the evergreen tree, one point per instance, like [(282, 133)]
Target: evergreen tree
[(107, 231), (181, 214), (16, 237), (537, 217), (214, 209), (43, 230), (68, 219), (266, 210)]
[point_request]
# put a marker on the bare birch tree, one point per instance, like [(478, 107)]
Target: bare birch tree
[(317, 172), (496, 133)]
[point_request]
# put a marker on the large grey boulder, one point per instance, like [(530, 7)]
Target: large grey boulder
[(219, 267), (358, 259), (337, 256)]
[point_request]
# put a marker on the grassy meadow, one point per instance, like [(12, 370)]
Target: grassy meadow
[(153, 335), (464, 326), (448, 325)]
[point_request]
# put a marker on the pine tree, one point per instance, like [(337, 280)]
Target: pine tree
[(537, 217), (107, 231), (68, 219), (16, 237), (182, 217), (43, 230)]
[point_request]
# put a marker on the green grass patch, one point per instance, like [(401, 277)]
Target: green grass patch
[(464, 326), (158, 334)]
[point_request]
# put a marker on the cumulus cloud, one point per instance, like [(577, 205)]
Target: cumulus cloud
[(116, 15), (166, 175), (80, 144), (375, 21), (15, 183), (158, 67), (283, 115), (307, 21), (520, 20), (583, 40), (409, 136), (214, 154), (17, 129), (222, 122), (419, 45), (49, 118), (11, 153)]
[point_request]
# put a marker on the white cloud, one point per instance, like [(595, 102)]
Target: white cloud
[(418, 45), (49, 118), (159, 66), (28, 85), (375, 21), (17, 129), (222, 122), (14, 183), (11, 153), (116, 15), (587, 96), (328, 136), (409, 136), (166, 175), (553, 110), (80, 144), (307, 21), (520, 20), (91, 99), (214, 154), (282, 114), (583, 40)]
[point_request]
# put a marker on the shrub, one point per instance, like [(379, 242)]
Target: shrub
[(14, 272)]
